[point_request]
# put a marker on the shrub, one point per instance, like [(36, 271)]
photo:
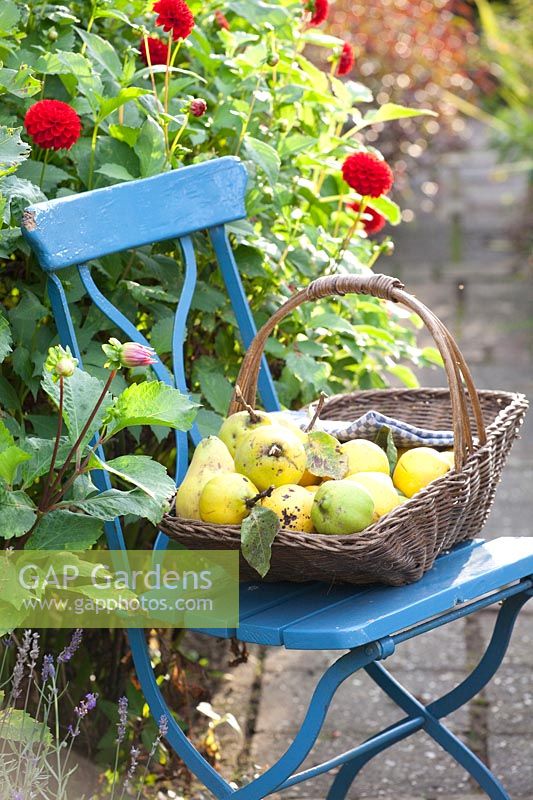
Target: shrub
[(263, 101)]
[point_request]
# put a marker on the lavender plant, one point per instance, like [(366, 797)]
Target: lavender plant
[(36, 748)]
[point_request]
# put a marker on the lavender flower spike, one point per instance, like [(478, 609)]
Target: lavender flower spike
[(34, 652), (67, 653), (86, 705), (134, 761), (122, 719), (22, 660), (163, 725), (49, 670)]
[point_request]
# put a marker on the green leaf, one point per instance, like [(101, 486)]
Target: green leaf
[(258, 13), (53, 176), (320, 39), (123, 133), (306, 369), (102, 52), (151, 403), (161, 334), (359, 93), (13, 151), (258, 531), (9, 16), (40, 456), (264, 156), (10, 460), (108, 105), (405, 374), (387, 208), (81, 394), (325, 457), (19, 82), (142, 472), (391, 111), (18, 726), (65, 530), (19, 193), (385, 440), (6, 340), (115, 503), (150, 148), (215, 387), (115, 172), (62, 62), (6, 438), (10, 586), (432, 355), (17, 513), (208, 422)]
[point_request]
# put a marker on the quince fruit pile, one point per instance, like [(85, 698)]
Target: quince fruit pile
[(311, 482)]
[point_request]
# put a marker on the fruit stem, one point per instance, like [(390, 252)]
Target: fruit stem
[(276, 451), (254, 417), (318, 410), (252, 501)]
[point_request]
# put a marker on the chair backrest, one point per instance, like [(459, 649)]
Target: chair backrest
[(77, 229)]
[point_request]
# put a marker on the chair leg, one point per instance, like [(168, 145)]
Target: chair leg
[(337, 673), (481, 774), (472, 685)]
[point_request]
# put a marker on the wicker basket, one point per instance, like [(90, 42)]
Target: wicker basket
[(402, 545)]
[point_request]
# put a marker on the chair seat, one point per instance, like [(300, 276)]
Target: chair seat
[(315, 616)]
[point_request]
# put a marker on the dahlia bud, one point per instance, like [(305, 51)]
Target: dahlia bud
[(52, 35), (221, 20), (273, 59), (130, 355), (197, 107), (60, 362), (387, 248)]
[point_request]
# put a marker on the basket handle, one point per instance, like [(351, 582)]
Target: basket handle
[(460, 380)]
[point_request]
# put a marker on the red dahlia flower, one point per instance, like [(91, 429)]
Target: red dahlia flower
[(221, 20), (198, 107), (319, 10), (374, 221), (53, 125), (157, 50), (367, 174), (347, 60), (175, 16)]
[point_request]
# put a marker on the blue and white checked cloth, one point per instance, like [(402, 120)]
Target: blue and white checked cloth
[(369, 425)]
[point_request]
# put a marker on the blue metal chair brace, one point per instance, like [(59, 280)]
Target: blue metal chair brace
[(368, 622)]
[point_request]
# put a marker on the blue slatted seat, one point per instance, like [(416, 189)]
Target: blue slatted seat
[(367, 622)]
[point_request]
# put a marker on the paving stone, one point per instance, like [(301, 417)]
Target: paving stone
[(520, 652), (510, 696), (511, 758), (415, 768)]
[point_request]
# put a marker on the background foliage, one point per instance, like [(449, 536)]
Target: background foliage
[(286, 122)]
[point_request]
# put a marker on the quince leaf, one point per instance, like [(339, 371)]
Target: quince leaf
[(325, 458), (258, 531), (385, 440)]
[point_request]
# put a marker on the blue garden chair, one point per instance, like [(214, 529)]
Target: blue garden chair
[(369, 623)]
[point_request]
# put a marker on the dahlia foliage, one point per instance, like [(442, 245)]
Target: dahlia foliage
[(182, 84)]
